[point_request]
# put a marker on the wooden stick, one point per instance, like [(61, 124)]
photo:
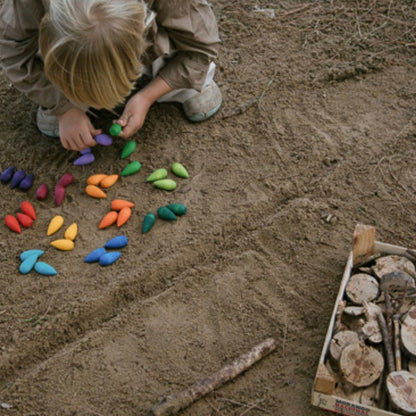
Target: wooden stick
[(172, 404), (387, 343)]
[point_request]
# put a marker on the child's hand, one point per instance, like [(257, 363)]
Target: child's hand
[(76, 130), (138, 106), (134, 115)]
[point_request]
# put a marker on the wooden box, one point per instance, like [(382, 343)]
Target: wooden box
[(326, 393)]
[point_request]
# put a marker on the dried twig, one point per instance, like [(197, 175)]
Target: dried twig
[(173, 404)]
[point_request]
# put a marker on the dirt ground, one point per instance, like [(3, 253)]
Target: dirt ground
[(317, 133)]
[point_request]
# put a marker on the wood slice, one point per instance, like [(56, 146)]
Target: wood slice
[(360, 364), (354, 310), (362, 288), (397, 280), (412, 367), (371, 330), (339, 341), (401, 386), (408, 332), (388, 264)]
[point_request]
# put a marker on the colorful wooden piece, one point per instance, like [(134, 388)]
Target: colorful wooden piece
[(109, 181), (108, 219), (115, 129), (12, 223), (118, 204), (165, 184), (28, 209), (24, 219), (123, 216), (42, 192), (103, 139), (7, 174), (55, 224), (177, 209), (109, 258), (94, 255), (166, 214), (27, 265), (157, 175), (95, 191), (148, 222), (128, 149), (85, 159), (131, 168), (71, 232), (116, 242), (59, 194), (17, 178), (33, 252), (96, 179), (45, 269), (26, 183), (179, 170), (63, 244), (66, 179)]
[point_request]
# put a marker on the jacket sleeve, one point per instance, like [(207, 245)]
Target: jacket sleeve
[(193, 33), (19, 54)]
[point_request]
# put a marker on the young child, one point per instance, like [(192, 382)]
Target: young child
[(71, 55)]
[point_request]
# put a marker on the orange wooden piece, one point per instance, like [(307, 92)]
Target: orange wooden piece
[(110, 180), (123, 216), (12, 223), (96, 179), (27, 208), (118, 204), (95, 191), (108, 220)]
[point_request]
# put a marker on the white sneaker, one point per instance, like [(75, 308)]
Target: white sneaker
[(204, 105), (47, 124)]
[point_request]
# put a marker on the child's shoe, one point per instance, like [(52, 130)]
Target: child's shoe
[(47, 124), (204, 105)]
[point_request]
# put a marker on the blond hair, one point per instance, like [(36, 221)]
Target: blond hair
[(92, 49)]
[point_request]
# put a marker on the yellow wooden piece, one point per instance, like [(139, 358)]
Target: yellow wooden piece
[(71, 232), (55, 224), (108, 181), (63, 244), (96, 179)]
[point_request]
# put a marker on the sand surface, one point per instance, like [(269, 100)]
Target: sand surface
[(316, 133)]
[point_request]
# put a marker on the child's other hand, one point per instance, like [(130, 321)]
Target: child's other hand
[(134, 114), (76, 130)]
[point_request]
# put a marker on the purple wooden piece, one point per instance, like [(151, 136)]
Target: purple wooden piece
[(17, 178), (7, 174), (85, 159), (85, 151), (27, 182), (103, 139)]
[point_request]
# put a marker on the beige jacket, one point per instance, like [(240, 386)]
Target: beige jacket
[(185, 26)]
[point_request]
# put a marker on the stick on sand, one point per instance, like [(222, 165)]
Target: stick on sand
[(172, 404)]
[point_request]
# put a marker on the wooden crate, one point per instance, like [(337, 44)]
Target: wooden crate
[(323, 394)]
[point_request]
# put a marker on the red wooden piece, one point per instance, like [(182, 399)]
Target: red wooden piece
[(12, 223), (28, 209), (24, 219)]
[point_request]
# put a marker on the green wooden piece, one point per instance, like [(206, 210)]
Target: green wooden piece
[(131, 168), (115, 129), (178, 209), (128, 149), (148, 222), (157, 175), (166, 214), (179, 170), (166, 184)]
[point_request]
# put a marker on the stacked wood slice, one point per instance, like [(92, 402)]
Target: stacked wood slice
[(374, 326)]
